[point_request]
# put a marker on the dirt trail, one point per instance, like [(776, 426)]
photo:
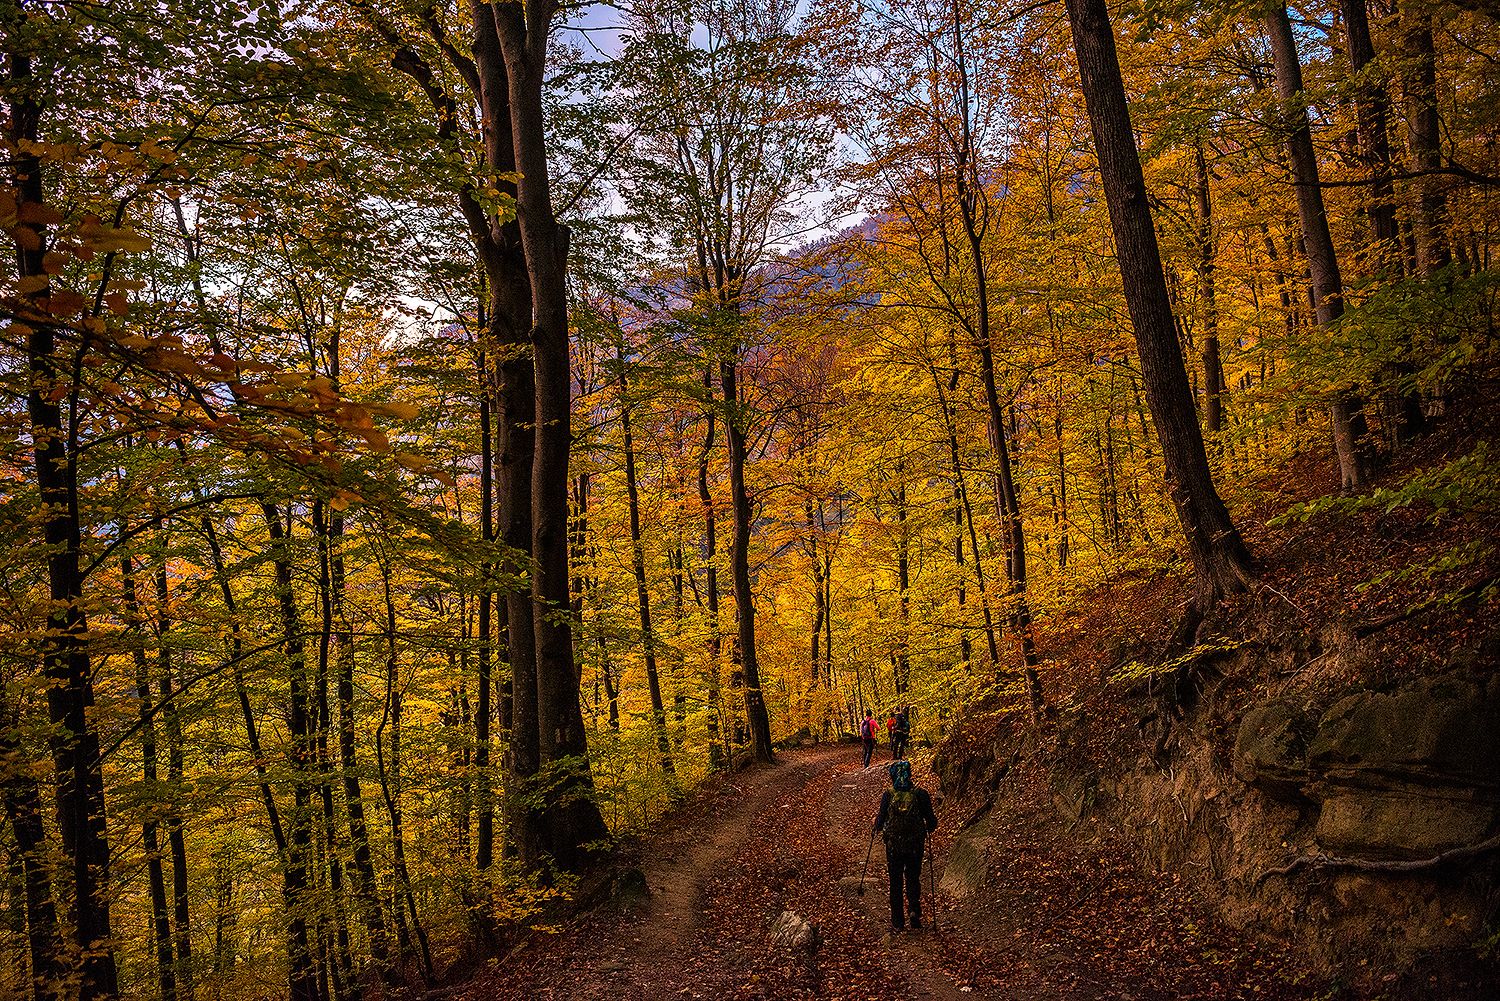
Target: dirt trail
[(791, 836)]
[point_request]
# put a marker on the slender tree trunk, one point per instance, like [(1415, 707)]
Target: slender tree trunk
[(1327, 284), (485, 841), (820, 605), (903, 585), (744, 598), (341, 968), (974, 213), (1213, 371), (161, 924), (391, 713), (176, 840), (1372, 108), (362, 877), (962, 489), (1429, 199), (1221, 563), (302, 972), (65, 656), (1062, 495), (711, 578), (23, 808), (638, 566)]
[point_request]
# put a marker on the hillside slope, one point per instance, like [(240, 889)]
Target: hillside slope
[(1318, 766)]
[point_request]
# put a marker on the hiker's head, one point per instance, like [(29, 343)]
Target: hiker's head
[(867, 714), (900, 775)]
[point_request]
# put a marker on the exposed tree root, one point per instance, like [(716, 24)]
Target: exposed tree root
[(1321, 861)]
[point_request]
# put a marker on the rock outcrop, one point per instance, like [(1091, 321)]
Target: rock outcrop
[(1408, 774)]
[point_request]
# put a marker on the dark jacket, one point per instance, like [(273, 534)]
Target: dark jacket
[(924, 804)]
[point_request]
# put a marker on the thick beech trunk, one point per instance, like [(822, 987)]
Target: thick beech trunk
[(573, 818), (1221, 563)]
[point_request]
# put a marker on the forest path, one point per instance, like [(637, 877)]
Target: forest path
[(790, 836)]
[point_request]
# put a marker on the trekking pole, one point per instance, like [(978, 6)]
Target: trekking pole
[(931, 891), (866, 869)]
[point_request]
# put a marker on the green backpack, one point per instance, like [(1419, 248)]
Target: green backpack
[(904, 830)]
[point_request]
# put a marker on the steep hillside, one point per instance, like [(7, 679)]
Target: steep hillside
[(1319, 763)]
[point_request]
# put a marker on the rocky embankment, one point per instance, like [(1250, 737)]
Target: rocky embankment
[(1361, 823)]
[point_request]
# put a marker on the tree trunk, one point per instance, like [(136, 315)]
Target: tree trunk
[(161, 925), (974, 214), (961, 488), (1429, 199), (302, 972), (903, 585), (1213, 371), (638, 566), (820, 606), (573, 818), (182, 928), (366, 893), (1327, 284), (65, 656), (744, 598), (1221, 563), (711, 577), (391, 713), (23, 808), (485, 840), (1372, 109), (338, 962)]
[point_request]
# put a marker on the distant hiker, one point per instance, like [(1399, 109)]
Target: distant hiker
[(904, 820), (890, 734), (867, 733), (901, 735)]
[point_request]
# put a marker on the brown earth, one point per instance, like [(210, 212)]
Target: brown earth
[(1064, 914)]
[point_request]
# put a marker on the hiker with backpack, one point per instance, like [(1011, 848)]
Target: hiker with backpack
[(901, 734), (904, 821), (867, 734)]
